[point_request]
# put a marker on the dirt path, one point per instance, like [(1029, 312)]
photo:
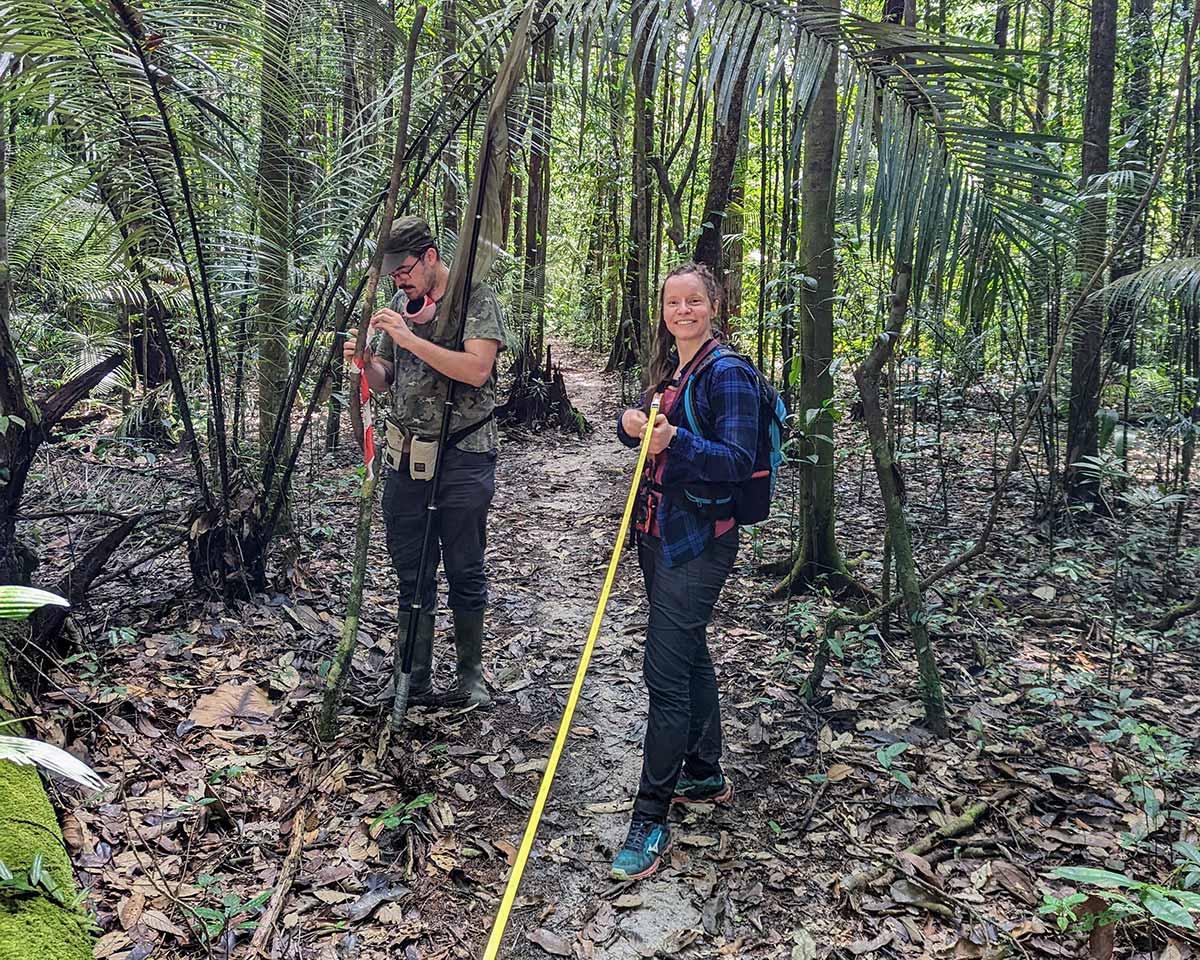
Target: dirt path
[(601, 768), (571, 900)]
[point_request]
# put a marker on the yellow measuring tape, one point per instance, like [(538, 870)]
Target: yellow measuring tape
[(564, 726)]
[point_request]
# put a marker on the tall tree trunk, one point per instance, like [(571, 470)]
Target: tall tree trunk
[(727, 138), (273, 219), (450, 155), (538, 209), (1135, 125), (818, 555), (1082, 439), (634, 336)]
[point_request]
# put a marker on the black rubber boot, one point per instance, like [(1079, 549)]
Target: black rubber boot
[(420, 687), (469, 689)]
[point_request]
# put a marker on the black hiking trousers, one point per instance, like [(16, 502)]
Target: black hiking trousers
[(459, 529), (683, 729)]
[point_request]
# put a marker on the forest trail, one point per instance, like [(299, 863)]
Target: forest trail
[(577, 513)]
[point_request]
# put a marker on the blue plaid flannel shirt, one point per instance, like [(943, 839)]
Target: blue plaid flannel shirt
[(726, 400)]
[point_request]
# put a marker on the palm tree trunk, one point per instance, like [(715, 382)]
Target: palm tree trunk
[(274, 236)]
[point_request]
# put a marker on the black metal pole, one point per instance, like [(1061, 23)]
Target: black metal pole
[(400, 704)]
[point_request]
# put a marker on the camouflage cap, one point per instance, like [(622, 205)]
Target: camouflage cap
[(409, 237)]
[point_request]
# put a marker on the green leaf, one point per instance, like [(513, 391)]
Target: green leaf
[(902, 778), (1187, 898), (1095, 876), (1168, 911)]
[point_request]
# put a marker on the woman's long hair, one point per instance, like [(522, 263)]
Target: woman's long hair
[(662, 365)]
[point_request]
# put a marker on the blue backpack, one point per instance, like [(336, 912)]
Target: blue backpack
[(749, 502)]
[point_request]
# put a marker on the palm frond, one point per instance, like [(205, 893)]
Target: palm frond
[(49, 757), (1171, 280)]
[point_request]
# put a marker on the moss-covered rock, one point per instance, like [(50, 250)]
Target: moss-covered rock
[(36, 928), (28, 825)]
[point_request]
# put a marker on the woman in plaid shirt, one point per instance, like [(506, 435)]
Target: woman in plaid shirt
[(686, 553)]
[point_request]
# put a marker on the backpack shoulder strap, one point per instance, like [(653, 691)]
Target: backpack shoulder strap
[(720, 352)]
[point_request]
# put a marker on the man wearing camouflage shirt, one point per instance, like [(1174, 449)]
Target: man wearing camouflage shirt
[(416, 371)]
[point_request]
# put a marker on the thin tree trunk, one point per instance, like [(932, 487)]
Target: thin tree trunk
[(450, 156), (336, 677), (350, 109), (727, 138), (818, 555), (867, 377), (1082, 437), (1041, 267), (641, 204)]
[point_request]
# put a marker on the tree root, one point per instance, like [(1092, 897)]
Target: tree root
[(801, 579), (1175, 614), (964, 822)]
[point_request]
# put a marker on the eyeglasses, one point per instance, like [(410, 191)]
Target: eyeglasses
[(402, 272)]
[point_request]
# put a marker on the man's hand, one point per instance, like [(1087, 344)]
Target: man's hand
[(391, 323), (349, 344), (633, 422), (379, 372), (662, 435)]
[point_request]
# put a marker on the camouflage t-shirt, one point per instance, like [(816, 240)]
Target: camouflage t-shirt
[(419, 391)]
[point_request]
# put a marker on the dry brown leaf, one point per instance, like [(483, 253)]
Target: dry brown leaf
[(838, 772), (129, 910), (610, 806), (157, 920), (230, 701), (110, 943), (509, 851), (550, 942), (74, 833), (697, 840)]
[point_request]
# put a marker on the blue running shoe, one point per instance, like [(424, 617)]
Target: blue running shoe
[(718, 789), (648, 842)]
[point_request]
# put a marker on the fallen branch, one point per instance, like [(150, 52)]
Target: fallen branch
[(283, 885), (956, 827), (48, 622), (1175, 614)]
